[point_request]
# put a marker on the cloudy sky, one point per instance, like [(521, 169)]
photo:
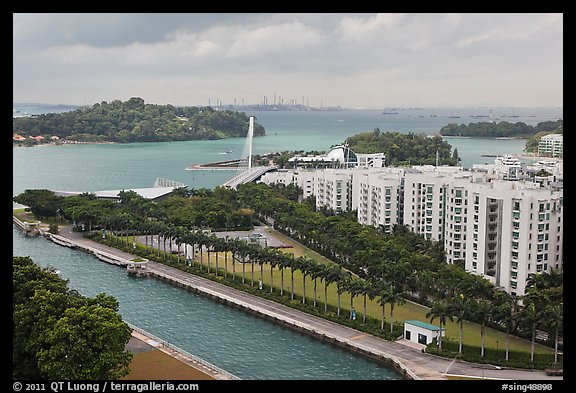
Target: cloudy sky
[(351, 60)]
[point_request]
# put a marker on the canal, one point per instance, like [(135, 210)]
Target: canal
[(241, 343)]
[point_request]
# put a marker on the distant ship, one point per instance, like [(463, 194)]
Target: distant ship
[(389, 113)]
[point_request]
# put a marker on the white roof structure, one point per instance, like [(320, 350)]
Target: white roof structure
[(147, 193)]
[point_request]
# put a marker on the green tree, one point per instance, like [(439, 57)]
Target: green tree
[(59, 334), (440, 310), (86, 343)]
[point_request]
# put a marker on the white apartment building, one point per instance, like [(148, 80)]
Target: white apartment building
[(379, 196), (331, 187), (551, 145), (514, 229), (502, 230)]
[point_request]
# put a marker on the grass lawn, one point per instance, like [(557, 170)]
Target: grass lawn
[(158, 365)]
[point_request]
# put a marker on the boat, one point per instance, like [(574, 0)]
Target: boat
[(228, 151), (389, 113)]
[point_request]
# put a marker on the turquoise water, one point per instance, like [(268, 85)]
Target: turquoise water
[(111, 166), (243, 344), (238, 342)]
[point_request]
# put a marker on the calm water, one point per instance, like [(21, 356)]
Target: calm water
[(247, 346), (243, 344)]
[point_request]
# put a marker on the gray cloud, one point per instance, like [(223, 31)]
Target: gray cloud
[(366, 60)]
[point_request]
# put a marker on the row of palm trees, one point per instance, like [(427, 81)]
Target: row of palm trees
[(160, 239), (510, 312)]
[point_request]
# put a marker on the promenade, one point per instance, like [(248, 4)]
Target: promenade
[(407, 359)]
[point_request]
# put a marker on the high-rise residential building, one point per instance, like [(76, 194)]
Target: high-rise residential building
[(551, 145), (500, 229)]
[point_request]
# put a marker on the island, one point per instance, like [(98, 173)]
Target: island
[(132, 121)]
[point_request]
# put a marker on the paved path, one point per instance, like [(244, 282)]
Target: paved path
[(416, 364)]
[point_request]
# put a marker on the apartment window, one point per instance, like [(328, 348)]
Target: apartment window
[(514, 275), (514, 265)]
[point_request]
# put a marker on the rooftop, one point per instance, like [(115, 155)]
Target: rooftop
[(423, 325), (147, 193)]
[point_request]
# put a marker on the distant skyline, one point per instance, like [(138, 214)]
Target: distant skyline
[(350, 60)]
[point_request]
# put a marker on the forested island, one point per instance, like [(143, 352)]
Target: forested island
[(399, 149), (502, 129), (405, 149), (135, 121)]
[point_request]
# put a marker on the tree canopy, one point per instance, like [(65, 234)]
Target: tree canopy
[(487, 129), (59, 334), (136, 121), (404, 149)]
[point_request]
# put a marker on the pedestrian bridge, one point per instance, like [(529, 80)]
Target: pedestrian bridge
[(249, 175)]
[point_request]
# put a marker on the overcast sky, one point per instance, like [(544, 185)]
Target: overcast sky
[(351, 60)]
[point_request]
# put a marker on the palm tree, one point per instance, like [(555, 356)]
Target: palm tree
[(285, 262), (316, 271), (274, 260), (305, 266), (479, 288), (459, 308), (505, 313), (341, 285), (396, 298), (354, 287), (554, 316), (482, 310), (380, 288), (293, 265), (332, 274), (226, 249), (529, 318), (441, 311), (364, 288)]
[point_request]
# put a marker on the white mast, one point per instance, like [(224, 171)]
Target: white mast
[(250, 135)]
